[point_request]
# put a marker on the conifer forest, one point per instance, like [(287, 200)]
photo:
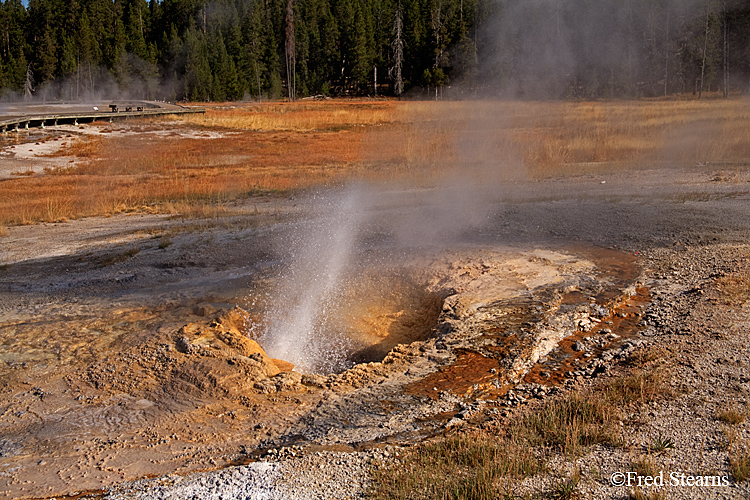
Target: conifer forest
[(222, 50)]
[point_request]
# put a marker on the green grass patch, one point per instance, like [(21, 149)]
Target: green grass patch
[(473, 465), (661, 443), (570, 424)]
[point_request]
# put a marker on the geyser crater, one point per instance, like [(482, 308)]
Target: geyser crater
[(359, 320)]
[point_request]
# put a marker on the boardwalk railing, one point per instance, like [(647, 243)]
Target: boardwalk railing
[(18, 121)]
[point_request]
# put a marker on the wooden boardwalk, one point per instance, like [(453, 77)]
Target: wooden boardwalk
[(24, 116)]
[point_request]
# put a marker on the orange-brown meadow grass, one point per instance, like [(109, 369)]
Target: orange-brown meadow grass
[(553, 138), (300, 116), (237, 150)]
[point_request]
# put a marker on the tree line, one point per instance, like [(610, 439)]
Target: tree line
[(616, 48), (220, 50)]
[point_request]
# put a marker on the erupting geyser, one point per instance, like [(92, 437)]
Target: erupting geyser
[(340, 301), (299, 329)]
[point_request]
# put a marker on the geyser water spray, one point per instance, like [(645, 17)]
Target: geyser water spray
[(299, 328)]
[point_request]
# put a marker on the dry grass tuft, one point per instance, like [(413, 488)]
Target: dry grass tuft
[(23, 173), (735, 288), (739, 462), (731, 416), (642, 386), (120, 257), (644, 465), (58, 170), (83, 147), (566, 489)]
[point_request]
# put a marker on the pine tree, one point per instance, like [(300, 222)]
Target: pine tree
[(225, 85), (251, 63), (136, 28), (330, 51), (13, 46), (198, 78), (361, 53), (46, 57)]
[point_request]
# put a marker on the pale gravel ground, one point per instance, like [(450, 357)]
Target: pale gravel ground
[(315, 476), (709, 353), (60, 239)]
